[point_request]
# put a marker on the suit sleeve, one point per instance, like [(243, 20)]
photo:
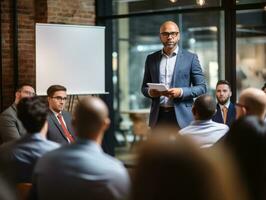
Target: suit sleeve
[(146, 79), (197, 80), (8, 129)]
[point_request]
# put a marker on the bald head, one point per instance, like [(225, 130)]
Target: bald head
[(254, 102), (90, 117), (167, 25)]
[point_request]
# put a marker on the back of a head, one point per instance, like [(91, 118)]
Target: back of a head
[(205, 107), (89, 116), (254, 100), (54, 88), (32, 112), (247, 141), (174, 168)]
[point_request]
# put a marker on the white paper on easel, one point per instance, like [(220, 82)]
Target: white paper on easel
[(157, 86)]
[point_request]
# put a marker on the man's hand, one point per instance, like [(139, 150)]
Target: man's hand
[(156, 93), (173, 93)]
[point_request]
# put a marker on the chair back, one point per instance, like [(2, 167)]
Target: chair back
[(23, 190)]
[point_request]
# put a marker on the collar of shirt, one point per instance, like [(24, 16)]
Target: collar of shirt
[(91, 143), (197, 122), (175, 52), (226, 105)]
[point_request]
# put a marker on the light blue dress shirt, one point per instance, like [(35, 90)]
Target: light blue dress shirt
[(205, 132), (81, 171)]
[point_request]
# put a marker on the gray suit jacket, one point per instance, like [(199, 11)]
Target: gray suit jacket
[(187, 75), (11, 127), (55, 131)]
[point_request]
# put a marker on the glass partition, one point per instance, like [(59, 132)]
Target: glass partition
[(136, 37), (250, 49)]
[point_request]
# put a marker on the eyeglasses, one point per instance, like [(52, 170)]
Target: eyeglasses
[(167, 34), (240, 105), (58, 98), (29, 93)]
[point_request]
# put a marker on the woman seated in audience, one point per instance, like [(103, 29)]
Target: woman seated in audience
[(172, 167), (246, 140)]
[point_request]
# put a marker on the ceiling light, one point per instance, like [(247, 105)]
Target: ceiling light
[(173, 1), (200, 2)]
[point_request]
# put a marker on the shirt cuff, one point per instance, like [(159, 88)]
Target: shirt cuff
[(149, 93), (181, 93)]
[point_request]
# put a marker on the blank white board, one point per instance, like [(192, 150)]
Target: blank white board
[(72, 56)]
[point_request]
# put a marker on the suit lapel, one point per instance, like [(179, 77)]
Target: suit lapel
[(178, 65), (230, 114), (219, 114), (157, 64), (53, 117)]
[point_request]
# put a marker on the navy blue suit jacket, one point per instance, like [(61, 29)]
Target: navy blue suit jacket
[(231, 115), (187, 75)]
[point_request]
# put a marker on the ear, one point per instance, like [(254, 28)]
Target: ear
[(17, 94), (244, 110), (230, 94), (106, 123)]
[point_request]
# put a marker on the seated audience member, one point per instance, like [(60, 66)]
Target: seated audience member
[(82, 170), (19, 157), (252, 101), (225, 109), (174, 168), (59, 121), (10, 126), (203, 130), (246, 140)]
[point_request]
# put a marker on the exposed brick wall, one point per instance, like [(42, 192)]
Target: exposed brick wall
[(7, 52), (71, 12), (26, 41), (29, 12)]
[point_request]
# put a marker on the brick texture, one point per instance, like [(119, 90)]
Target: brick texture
[(30, 12)]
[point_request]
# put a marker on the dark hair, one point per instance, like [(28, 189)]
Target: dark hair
[(23, 85), (223, 82), (205, 106), (247, 141), (32, 112), (54, 88), (264, 86)]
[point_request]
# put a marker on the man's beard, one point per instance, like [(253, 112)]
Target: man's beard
[(222, 102), (169, 44)]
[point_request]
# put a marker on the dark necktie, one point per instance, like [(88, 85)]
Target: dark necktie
[(66, 132)]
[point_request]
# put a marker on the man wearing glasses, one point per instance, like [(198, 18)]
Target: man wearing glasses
[(252, 101), (59, 121), (11, 127), (181, 72)]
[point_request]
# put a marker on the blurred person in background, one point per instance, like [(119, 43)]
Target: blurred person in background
[(174, 168)]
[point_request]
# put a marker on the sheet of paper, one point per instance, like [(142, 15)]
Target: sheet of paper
[(158, 86)]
